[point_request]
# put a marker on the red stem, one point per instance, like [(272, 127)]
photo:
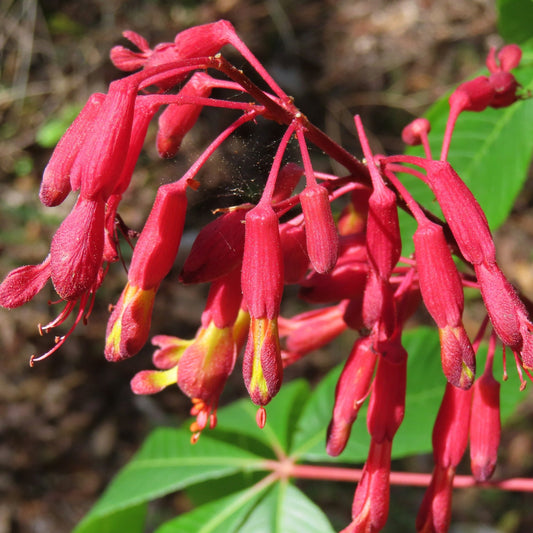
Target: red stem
[(335, 473)]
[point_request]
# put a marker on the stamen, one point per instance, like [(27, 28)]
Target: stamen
[(60, 340), (60, 318), (519, 368), (505, 375)]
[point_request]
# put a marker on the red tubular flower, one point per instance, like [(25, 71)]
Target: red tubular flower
[(218, 248), (204, 368), (383, 243), (153, 257), (468, 223), (262, 287), (387, 402), (198, 41), (385, 414), (370, 507), (450, 438), (435, 511), (144, 112), (310, 331), (507, 313), (485, 424), (442, 292), (77, 249), (262, 268), (200, 366), (293, 247), (351, 391), (320, 230), (177, 120), (103, 154), (55, 185)]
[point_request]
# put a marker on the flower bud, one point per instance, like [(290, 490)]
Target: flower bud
[(351, 391), (413, 133), (370, 506), (293, 247), (178, 119), (320, 230), (217, 250), (485, 426), (505, 86), (473, 95)]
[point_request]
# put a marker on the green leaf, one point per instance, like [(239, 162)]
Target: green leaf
[(224, 515), (130, 519), (515, 20), (285, 509), (491, 151), (282, 413), (166, 463)]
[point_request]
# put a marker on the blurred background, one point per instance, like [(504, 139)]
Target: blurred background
[(68, 425)]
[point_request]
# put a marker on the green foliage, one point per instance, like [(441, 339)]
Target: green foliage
[(515, 20), (229, 465)]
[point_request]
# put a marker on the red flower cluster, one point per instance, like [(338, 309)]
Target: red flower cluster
[(351, 267)]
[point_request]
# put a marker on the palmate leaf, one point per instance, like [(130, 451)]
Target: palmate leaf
[(280, 508), (166, 463), (223, 515), (286, 509)]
